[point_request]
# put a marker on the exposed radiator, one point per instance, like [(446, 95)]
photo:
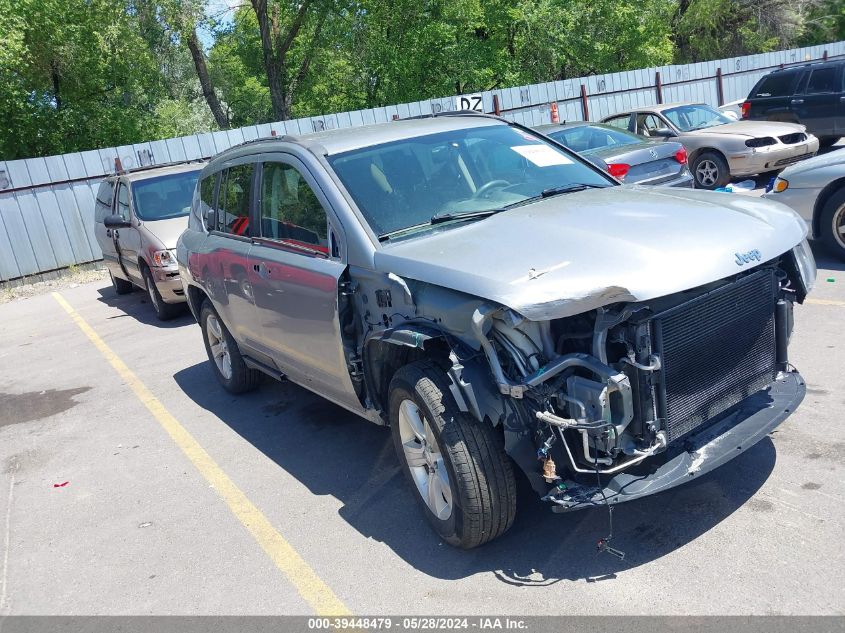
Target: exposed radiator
[(716, 350)]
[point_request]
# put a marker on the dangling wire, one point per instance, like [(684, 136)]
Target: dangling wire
[(603, 544)]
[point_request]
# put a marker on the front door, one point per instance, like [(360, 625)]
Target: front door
[(104, 207), (127, 240), (298, 265)]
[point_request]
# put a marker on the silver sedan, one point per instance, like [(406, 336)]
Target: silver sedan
[(815, 188)]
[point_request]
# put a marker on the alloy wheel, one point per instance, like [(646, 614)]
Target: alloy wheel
[(838, 226), (707, 173), (425, 460), (218, 346)]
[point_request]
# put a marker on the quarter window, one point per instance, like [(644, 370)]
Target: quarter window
[(822, 80), (123, 201), (233, 200), (105, 198), (290, 210)]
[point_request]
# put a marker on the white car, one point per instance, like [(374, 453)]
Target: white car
[(815, 188)]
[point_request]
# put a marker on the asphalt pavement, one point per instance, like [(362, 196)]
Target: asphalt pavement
[(131, 483)]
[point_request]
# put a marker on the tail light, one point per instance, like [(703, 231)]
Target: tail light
[(618, 170), (744, 108), (681, 156)]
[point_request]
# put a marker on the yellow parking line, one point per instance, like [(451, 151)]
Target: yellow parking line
[(826, 302), (312, 589)]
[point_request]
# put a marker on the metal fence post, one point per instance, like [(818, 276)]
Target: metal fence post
[(585, 107), (659, 87), (720, 90)]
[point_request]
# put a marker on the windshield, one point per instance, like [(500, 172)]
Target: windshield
[(164, 197), (406, 183), (585, 138), (695, 117)]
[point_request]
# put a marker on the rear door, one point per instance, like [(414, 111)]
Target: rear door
[(818, 106), (297, 257), (771, 97), (225, 265)]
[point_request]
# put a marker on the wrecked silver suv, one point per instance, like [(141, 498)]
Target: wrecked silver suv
[(497, 300)]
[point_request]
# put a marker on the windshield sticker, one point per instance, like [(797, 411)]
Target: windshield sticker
[(542, 155)]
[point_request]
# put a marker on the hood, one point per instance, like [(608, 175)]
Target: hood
[(816, 162), (167, 231), (575, 252), (752, 129)]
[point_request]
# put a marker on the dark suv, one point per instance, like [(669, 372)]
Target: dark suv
[(811, 94)]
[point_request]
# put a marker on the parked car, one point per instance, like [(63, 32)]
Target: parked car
[(719, 147), (815, 188), (811, 94), (139, 215), (629, 158), (494, 298)]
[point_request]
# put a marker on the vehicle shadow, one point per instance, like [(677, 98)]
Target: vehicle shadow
[(136, 304), (825, 260), (334, 452)]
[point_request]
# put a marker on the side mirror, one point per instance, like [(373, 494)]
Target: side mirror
[(116, 222), (663, 132), (210, 220)]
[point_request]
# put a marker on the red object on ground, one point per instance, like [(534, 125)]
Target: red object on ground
[(61, 485)]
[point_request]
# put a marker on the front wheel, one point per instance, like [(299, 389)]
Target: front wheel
[(710, 171), (456, 465), (121, 286), (164, 311), (832, 224)]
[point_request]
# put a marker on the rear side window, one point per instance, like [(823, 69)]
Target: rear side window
[(290, 210), (776, 85), (233, 200), (105, 197), (822, 80), (619, 121)]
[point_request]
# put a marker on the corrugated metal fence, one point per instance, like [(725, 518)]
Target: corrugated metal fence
[(47, 204)]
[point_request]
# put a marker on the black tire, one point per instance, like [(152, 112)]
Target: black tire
[(710, 171), (242, 378), (121, 286), (832, 224), (828, 141), (164, 311), (480, 478)]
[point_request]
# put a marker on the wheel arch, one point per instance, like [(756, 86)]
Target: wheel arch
[(693, 156), (469, 377), (830, 190)]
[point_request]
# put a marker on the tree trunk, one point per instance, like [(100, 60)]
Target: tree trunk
[(205, 81)]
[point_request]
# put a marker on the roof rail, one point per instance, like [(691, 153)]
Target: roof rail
[(119, 170), (456, 113)]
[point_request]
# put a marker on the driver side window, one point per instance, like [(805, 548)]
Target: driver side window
[(290, 210), (648, 123)]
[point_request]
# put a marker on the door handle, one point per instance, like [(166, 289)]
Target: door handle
[(108, 233), (116, 234), (262, 270), (842, 98), (797, 101)]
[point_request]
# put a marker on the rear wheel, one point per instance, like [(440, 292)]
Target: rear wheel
[(226, 360), (164, 311), (121, 286), (457, 466), (832, 224), (827, 141), (710, 171)]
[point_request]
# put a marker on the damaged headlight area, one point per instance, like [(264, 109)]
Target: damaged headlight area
[(630, 387)]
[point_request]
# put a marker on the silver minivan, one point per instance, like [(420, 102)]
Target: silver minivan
[(138, 218)]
